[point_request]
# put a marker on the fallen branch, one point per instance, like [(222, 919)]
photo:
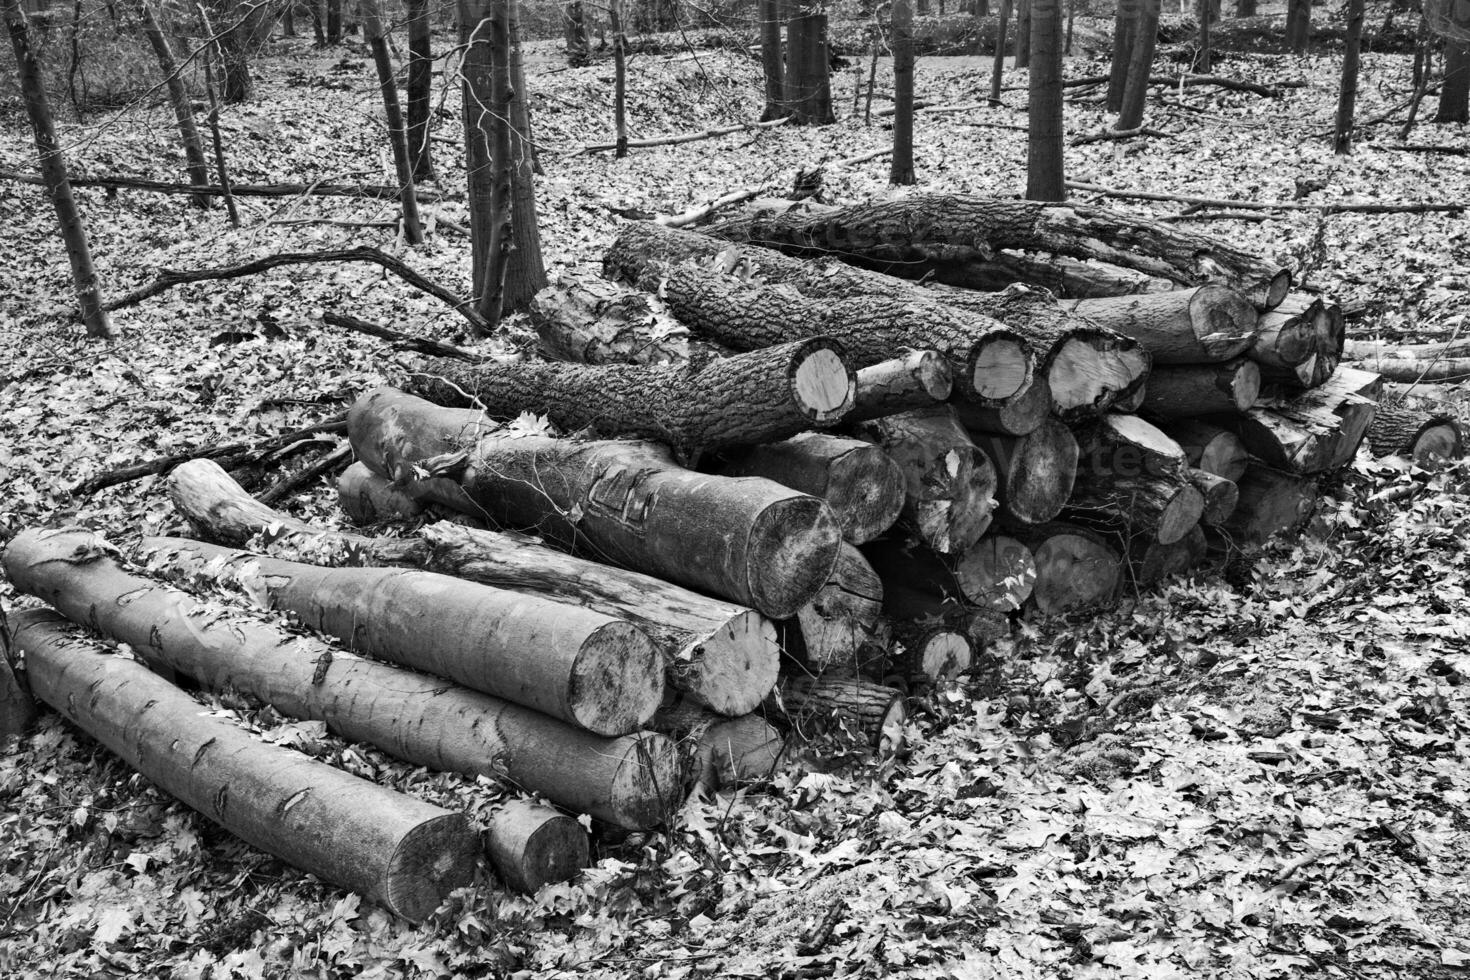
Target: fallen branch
[(1233, 84), (1118, 134), (1218, 216), (688, 137), (696, 214), (229, 455), (1454, 151), (169, 278), (329, 464), (375, 191), (406, 341), (1214, 202)]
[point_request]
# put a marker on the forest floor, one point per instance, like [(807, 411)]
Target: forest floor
[(1257, 772)]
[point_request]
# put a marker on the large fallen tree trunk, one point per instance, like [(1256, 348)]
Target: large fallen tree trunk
[(732, 401), (1186, 326), (588, 669), (1189, 390), (1076, 568), (1313, 432), (747, 540), (845, 617), (1034, 472), (862, 485), (1417, 435), (950, 483), (1059, 275), (394, 849), (918, 379), (940, 234), (1093, 368), (421, 719)]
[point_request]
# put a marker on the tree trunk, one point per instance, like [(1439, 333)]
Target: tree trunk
[(218, 143), (1206, 13), (1221, 496), (18, 707), (372, 22), (1044, 176), (864, 488), (721, 753), (1454, 93), (901, 171), (918, 379), (940, 235), (1131, 481), (1209, 447), (997, 61), (1342, 142), (1316, 431), (420, 89), (589, 669), (846, 705), (396, 850), (1023, 33), (1034, 472), (244, 22), (773, 65), (412, 716), (749, 541), (950, 483), (334, 21), (720, 655), (1076, 568), (620, 79), (1140, 66), (1186, 326), (1417, 435), (770, 393), (367, 498), (808, 83), (1188, 390), (178, 97), (1271, 502), (1245, 8), (53, 171), (1299, 25), (579, 54), (844, 619)]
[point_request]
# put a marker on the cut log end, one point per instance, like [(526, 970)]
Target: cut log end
[(1087, 375), (998, 573), (532, 845), (617, 681), (1224, 319), (1074, 570), (1002, 367), (738, 665), (1271, 294), (646, 790), (942, 653), (436, 852), (823, 385), (1181, 514), (791, 552), (958, 509), (1017, 415)]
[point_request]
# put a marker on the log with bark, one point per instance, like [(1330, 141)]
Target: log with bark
[(1301, 341), (367, 498), (1162, 507), (1271, 502), (588, 669), (741, 400), (844, 619), (1094, 368), (1034, 472), (1221, 496), (1312, 432), (1018, 415), (718, 654), (862, 485), (939, 235), (1076, 568), (1061, 275), (1203, 325), (396, 850), (587, 320), (1208, 447), (918, 379), (718, 752), (1190, 390), (996, 573), (746, 540), (1418, 435), (950, 483), (853, 706), (17, 706), (926, 652), (421, 719), (1151, 562)]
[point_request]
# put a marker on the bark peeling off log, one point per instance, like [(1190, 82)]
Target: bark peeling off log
[(1185, 391), (396, 850), (918, 379), (1311, 432)]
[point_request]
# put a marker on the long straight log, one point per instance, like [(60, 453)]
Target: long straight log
[(747, 540), (1189, 390), (862, 485), (950, 483), (1418, 435), (851, 705), (733, 401), (1076, 568), (421, 719), (1315, 431), (587, 320), (939, 234), (1034, 472), (588, 669), (1161, 508), (1203, 325), (397, 851)]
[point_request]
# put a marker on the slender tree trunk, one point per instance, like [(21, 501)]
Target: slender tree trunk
[(288, 19), (74, 61), (1071, 18), (575, 23), (1125, 33), (1135, 93), (620, 79), (488, 137), (1205, 9), (53, 169), (1245, 8), (997, 66), (1044, 177), (1298, 25), (334, 21), (1023, 34), (318, 29), (526, 275), (372, 28), (218, 142), (1342, 143), (420, 90), (178, 97), (773, 67), (902, 170), (1454, 96), (809, 88)]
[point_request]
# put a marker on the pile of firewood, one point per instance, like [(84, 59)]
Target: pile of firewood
[(760, 492)]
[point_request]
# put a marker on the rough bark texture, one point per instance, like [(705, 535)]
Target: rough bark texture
[(1034, 472), (1140, 66), (1221, 496), (940, 234), (1271, 502), (808, 82), (919, 379), (589, 669), (1209, 447), (1189, 390), (1160, 508), (747, 540), (849, 705), (844, 618), (1186, 326), (1315, 431), (398, 851), (950, 482), (1418, 435), (1125, 27), (420, 89), (1044, 175), (862, 485), (901, 166), (744, 400), (587, 320), (1076, 568)]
